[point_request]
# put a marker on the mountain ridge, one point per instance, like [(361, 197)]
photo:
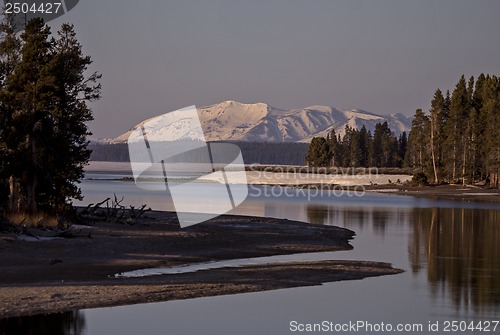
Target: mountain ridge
[(259, 122)]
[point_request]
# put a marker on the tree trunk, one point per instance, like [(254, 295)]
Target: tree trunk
[(473, 162), (497, 183), (453, 174), (464, 161), (494, 179), (29, 181), (32, 198), (420, 160), (14, 201), (436, 179), (33, 181)]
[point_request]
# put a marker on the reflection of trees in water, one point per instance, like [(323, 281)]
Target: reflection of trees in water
[(357, 218), (380, 220), (461, 248), (317, 214), (68, 323), (321, 214), (354, 218)]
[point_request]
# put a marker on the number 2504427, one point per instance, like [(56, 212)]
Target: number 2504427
[(27, 8)]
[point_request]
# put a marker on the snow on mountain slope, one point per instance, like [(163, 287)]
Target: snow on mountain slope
[(398, 123), (233, 120), (259, 122)]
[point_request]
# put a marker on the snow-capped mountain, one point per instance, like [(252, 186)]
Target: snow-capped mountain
[(259, 122)]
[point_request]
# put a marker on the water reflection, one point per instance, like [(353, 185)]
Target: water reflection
[(461, 251), (317, 214), (452, 256), (380, 220), (68, 323), (459, 248), (355, 218)]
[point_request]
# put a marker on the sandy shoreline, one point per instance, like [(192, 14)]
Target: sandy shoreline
[(69, 274), (369, 179), (260, 175), (443, 192), (50, 298)]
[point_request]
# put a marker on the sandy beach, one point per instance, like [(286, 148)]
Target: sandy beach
[(466, 193), (74, 273)]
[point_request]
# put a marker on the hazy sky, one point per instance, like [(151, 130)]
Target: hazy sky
[(382, 56)]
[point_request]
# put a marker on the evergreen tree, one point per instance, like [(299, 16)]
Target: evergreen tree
[(30, 90), (491, 144), (436, 122), (10, 48), (376, 148), (385, 146), (418, 140), (479, 124), (334, 147), (47, 94), (402, 148), (10, 54), (447, 103), (351, 141), (457, 123), (364, 140), (318, 154), (70, 114), (467, 135)]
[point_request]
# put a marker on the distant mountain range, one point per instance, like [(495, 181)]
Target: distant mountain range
[(259, 122)]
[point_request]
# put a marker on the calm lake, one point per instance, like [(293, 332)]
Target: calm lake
[(450, 252)]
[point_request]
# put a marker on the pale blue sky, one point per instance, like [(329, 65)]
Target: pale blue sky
[(382, 56)]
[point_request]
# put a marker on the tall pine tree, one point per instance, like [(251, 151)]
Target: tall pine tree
[(457, 122), (10, 55), (491, 144), (70, 114), (47, 94), (436, 122), (30, 88), (418, 140), (318, 154)]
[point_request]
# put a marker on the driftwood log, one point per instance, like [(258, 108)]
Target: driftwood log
[(113, 210)]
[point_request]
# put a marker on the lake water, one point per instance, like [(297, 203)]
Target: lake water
[(450, 252)]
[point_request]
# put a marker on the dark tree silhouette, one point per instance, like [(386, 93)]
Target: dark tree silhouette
[(44, 106)]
